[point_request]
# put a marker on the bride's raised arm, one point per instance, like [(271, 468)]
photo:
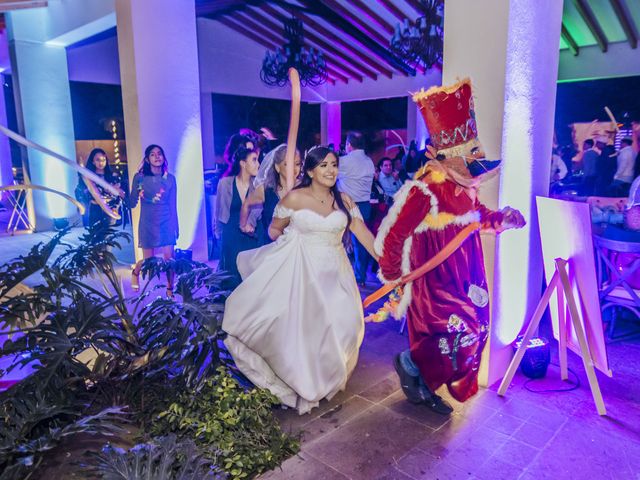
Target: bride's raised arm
[(358, 227)]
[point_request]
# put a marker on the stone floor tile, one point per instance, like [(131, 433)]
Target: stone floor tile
[(497, 469), (516, 453), (303, 466), (418, 412), (534, 435), (420, 465), (503, 423), (369, 444), (382, 389), (335, 418)]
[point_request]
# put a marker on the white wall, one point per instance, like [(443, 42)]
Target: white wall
[(95, 63)]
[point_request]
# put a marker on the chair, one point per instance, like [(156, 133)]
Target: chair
[(613, 284)]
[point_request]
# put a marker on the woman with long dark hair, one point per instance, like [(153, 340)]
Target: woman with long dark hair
[(232, 192), (98, 163), (155, 189), (295, 324)]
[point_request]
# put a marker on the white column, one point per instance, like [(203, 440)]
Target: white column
[(6, 174), (206, 121), (43, 106), (509, 48), (157, 47), (331, 123)]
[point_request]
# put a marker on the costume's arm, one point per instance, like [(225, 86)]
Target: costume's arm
[(401, 222), (490, 219), (501, 220)]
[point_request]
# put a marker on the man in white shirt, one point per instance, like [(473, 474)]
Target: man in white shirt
[(558, 168), (626, 164), (355, 178)]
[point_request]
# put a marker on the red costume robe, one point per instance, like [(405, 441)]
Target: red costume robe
[(447, 309)]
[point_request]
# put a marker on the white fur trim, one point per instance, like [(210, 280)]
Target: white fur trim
[(399, 199), (461, 220), (403, 305)]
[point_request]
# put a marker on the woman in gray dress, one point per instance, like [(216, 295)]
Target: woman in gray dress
[(155, 189)]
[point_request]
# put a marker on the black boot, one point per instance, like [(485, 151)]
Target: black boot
[(410, 384), (434, 401)]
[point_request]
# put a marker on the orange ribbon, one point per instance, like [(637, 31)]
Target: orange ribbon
[(294, 122), (432, 263)]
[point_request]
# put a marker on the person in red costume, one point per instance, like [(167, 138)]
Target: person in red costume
[(447, 309)]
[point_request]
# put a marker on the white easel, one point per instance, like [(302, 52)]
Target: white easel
[(562, 286)]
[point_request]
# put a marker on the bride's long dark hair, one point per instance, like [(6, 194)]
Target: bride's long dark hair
[(312, 159)]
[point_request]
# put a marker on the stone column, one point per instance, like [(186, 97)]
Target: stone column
[(509, 48), (43, 107), (331, 123), (157, 46)]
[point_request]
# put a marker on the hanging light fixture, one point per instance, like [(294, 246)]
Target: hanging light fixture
[(420, 42), (309, 63)]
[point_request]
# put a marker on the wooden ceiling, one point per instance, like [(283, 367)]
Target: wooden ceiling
[(599, 22), (353, 35), (6, 5)]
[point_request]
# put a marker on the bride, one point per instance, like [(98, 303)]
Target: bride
[(295, 323)]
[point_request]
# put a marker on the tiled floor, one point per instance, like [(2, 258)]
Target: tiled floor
[(370, 432)]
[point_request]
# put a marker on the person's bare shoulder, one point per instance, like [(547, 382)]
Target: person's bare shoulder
[(294, 199)]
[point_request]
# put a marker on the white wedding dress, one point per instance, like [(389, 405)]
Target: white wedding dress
[(295, 323)]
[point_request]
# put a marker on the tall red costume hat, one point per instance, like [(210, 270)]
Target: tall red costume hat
[(449, 115)]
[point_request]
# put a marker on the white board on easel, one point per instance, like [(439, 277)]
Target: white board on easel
[(571, 293), (565, 232)]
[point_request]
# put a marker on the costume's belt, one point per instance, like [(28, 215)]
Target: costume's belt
[(426, 267)]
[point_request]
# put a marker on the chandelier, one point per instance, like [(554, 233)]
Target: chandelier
[(309, 63), (420, 42)]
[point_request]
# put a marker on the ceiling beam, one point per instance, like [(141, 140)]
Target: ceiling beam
[(7, 5), (353, 19), (355, 54), (322, 44), (391, 7), (233, 25), (212, 8), (568, 39), (341, 23), (417, 6), (367, 11), (589, 18), (363, 7), (266, 27), (625, 22)]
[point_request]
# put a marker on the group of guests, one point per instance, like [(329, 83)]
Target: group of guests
[(153, 188), (607, 172), (250, 188)]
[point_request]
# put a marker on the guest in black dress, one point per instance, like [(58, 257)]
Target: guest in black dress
[(268, 190), (99, 164), (232, 191)]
